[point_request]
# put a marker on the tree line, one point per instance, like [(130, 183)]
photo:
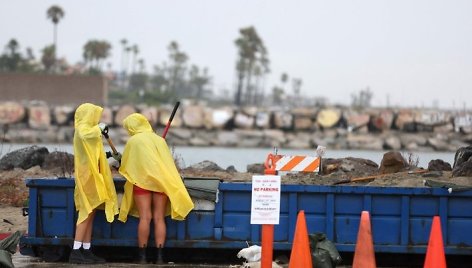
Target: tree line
[(175, 78)]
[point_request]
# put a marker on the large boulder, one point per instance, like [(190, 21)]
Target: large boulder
[(464, 170), (218, 118), (122, 113), (439, 165), (243, 120), (392, 162), (357, 122), (63, 115), (165, 113), (381, 121), (11, 112), (207, 166), (24, 158), (39, 116), (462, 155), (61, 163), (262, 119), (282, 120), (151, 114), (328, 117), (463, 162), (193, 116), (107, 116)]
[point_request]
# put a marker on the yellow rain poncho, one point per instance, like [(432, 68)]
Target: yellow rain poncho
[(93, 180), (148, 163)]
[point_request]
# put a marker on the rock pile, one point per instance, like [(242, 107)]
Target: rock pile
[(199, 125)]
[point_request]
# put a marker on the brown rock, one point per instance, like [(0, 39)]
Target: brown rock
[(243, 120), (122, 113), (328, 118), (151, 114), (218, 118), (464, 170), (164, 116), (404, 117), (107, 116), (392, 162), (39, 116), (11, 112), (302, 123), (193, 116), (282, 120), (63, 115), (439, 165)]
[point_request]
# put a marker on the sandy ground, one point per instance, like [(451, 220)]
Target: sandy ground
[(12, 220)]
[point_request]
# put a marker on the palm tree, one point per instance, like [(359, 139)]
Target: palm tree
[(198, 80), (284, 79), (123, 42), (177, 67), (96, 51), (135, 50), (251, 53), (11, 59), (55, 13), (47, 59)]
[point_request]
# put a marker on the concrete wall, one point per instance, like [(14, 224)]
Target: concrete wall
[(54, 89)]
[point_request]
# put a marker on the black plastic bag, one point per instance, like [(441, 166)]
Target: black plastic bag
[(7, 248), (323, 252)]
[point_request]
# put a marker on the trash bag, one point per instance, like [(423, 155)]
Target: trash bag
[(323, 252), (251, 254), (7, 248)]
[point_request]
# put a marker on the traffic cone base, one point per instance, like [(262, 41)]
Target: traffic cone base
[(435, 256), (364, 256), (301, 253)]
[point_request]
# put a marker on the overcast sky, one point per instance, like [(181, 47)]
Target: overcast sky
[(411, 52)]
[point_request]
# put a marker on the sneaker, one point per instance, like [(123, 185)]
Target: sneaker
[(76, 256), (89, 255)]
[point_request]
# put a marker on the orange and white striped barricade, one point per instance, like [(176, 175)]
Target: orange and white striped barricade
[(294, 163)]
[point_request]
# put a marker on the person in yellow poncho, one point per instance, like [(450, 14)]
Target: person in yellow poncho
[(94, 186), (153, 188)]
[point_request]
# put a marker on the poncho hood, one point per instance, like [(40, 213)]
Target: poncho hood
[(87, 114), (136, 123)]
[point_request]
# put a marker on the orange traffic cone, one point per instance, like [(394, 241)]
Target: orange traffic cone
[(435, 256), (364, 256), (301, 254)]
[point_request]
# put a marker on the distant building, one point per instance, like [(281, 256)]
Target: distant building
[(54, 89)]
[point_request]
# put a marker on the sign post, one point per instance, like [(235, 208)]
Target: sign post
[(265, 210)]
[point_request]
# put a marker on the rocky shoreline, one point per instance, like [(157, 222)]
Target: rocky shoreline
[(196, 124)]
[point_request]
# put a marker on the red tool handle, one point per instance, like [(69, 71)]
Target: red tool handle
[(170, 119)]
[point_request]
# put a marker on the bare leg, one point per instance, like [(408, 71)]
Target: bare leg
[(143, 203), (83, 230), (88, 231), (158, 214)]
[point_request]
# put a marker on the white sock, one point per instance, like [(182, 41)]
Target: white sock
[(77, 244), (86, 245)]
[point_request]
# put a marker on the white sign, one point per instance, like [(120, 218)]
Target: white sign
[(265, 201)]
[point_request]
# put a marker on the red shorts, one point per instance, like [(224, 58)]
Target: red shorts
[(140, 191)]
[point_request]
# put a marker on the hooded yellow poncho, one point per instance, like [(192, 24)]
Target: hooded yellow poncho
[(93, 180), (148, 163)]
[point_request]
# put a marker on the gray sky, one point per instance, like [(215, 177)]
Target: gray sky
[(414, 51)]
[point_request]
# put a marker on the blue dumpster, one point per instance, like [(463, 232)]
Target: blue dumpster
[(401, 218)]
